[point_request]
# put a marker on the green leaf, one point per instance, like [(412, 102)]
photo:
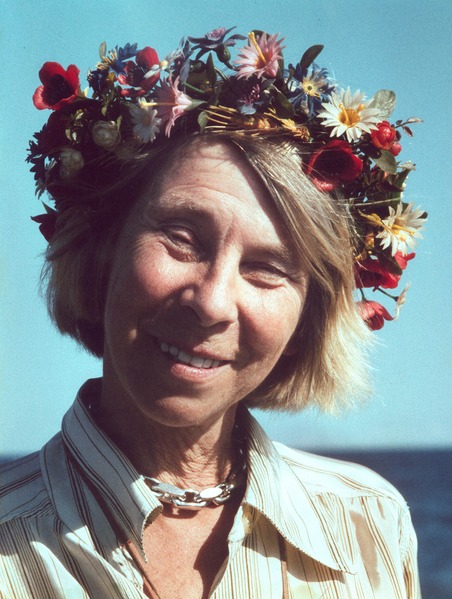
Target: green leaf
[(284, 108), (102, 50), (223, 54), (414, 119), (386, 162), (203, 119), (407, 166), (310, 55), (385, 101), (210, 69)]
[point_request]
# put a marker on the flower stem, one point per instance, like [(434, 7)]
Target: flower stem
[(394, 297), (193, 88)]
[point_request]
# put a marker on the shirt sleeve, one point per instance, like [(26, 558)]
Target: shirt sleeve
[(409, 557)]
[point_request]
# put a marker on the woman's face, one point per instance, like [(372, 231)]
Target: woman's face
[(204, 296)]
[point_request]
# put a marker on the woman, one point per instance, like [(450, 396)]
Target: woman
[(208, 232)]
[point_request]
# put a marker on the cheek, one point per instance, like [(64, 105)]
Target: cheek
[(275, 321), (140, 279)]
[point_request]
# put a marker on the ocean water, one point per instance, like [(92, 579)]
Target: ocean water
[(425, 480)]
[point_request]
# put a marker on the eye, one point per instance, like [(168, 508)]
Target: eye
[(265, 274), (181, 241)]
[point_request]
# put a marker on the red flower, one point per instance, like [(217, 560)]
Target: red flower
[(59, 87), (373, 314), (396, 148), (333, 164), (371, 273), (385, 138), (134, 72)]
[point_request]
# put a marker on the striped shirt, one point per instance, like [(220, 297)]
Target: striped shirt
[(308, 527)]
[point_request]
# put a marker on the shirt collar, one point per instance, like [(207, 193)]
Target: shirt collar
[(273, 488), (278, 493), (109, 473)]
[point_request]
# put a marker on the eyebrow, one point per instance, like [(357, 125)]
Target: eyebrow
[(179, 203), (185, 203)]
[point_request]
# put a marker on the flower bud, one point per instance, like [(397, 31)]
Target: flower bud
[(72, 162), (395, 149), (384, 136), (105, 134)]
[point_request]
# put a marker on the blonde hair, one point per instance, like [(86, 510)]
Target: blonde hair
[(329, 367)]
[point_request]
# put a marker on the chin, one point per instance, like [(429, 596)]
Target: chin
[(183, 411)]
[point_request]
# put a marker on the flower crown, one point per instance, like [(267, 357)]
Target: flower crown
[(135, 99)]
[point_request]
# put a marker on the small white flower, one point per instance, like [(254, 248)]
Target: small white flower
[(105, 134), (164, 64), (145, 120), (72, 162), (401, 228), (349, 114)]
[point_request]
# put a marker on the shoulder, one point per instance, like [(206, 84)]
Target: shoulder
[(321, 475), (23, 492)]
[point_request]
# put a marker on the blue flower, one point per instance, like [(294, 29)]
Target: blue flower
[(96, 79), (119, 56), (128, 51), (307, 90)]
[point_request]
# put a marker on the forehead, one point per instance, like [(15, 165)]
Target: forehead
[(206, 163), (212, 177)]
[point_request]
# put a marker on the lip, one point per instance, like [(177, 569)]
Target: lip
[(197, 351), (189, 363)]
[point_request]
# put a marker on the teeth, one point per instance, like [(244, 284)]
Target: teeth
[(185, 358)]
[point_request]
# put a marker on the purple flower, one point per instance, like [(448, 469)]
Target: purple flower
[(249, 95), (215, 40)]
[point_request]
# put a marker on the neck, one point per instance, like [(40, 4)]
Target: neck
[(189, 457)]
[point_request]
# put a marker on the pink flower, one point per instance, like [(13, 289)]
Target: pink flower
[(172, 103), (260, 57), (373, 314), (333, 164), (59, 86), (371, 273)]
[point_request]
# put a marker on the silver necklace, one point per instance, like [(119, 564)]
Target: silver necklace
[(190, 499)]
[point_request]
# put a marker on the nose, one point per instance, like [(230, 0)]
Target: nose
[(213, 295)]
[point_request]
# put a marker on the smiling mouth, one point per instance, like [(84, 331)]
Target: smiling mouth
[(179, 355)]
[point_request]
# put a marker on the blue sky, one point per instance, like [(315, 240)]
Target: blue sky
[(404, 46)]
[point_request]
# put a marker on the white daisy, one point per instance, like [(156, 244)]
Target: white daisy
[(401, 228), (349, 114), (145, 120)]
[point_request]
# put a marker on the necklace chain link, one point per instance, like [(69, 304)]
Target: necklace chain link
[(190, 499)]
